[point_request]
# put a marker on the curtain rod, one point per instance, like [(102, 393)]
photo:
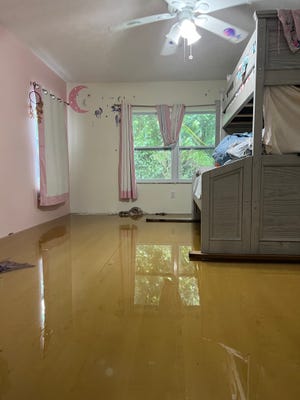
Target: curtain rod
[(153, 106), (46, 91)]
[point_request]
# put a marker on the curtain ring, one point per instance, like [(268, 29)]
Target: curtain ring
[(38, 98)]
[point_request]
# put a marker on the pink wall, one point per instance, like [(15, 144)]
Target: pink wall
[(19, 66)]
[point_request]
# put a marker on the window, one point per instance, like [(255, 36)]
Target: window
[(156, 163)]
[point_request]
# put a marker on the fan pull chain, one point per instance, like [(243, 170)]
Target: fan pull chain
[(185, 46)]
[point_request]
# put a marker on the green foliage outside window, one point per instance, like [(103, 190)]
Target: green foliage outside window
[(153, 161), (198, 130), (153, 164), (146, 130)]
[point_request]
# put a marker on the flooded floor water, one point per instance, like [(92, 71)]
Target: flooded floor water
[(113, 309)]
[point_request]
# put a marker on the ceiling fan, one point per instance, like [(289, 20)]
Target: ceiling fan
[(189, 15)]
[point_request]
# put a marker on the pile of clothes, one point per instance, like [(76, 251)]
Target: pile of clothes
[(233, 147)]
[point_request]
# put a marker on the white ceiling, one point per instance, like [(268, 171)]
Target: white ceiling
[(74, 38)]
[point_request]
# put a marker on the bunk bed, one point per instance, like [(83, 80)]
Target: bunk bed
[(250, 208)]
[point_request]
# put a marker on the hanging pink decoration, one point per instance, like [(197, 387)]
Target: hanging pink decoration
[(73, 95)]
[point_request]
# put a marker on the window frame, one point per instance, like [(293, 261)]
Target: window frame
[(175, 151)]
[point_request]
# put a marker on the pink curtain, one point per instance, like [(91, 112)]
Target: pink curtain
[(170, 123), (53, 148), (127, 180), (290, 20)]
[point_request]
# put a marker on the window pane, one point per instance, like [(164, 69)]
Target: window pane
[(152, 164), (146, 131), (190, 160), (198, 130)]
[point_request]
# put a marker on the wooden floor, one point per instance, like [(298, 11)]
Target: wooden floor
[(113, 309)]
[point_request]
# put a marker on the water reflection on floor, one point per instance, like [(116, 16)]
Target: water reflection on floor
[(163, 274), (115, 310)]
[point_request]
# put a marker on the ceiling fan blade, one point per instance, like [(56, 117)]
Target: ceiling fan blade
[(208, 6), (221, 28), (177, 4), (142, 21), (168, 48)]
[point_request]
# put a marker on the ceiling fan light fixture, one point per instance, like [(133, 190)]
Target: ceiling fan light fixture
[(174, 35), (193, 39), (189, 32)]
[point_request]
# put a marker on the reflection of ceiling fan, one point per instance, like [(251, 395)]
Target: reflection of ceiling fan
[(191, 14)]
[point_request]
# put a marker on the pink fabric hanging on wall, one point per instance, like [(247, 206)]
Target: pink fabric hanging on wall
[(127, 179), (290, 20), (170, 123)]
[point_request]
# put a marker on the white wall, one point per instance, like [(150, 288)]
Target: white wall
[(94, 145)]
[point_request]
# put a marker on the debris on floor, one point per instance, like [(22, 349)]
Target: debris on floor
[(7, 266), (134, 212)]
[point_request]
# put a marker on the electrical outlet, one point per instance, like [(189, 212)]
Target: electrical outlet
[(172, 195)]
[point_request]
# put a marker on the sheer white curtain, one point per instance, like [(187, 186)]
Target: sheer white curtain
[(170, 122), (281, 119), (53, 150), (127, 180)]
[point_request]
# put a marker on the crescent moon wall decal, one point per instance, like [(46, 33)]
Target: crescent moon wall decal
[(73, 99)]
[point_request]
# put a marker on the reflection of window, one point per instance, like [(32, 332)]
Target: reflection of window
[(188, 289), (154, 259), (156, 264)]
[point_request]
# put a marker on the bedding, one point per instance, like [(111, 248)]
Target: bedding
[(232, 147), (197, 181)]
